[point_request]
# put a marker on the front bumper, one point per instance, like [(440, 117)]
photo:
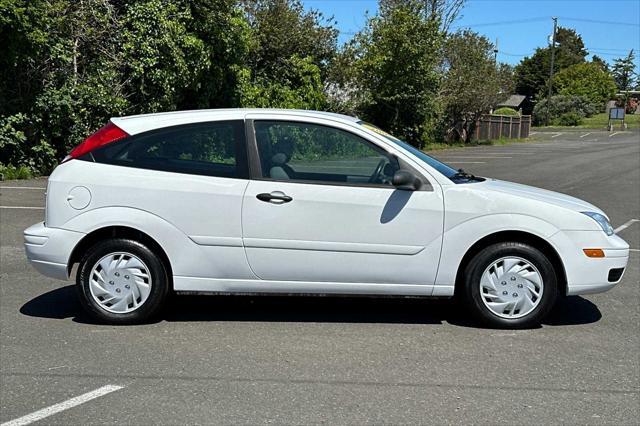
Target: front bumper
[(586, 275), (49, 249)]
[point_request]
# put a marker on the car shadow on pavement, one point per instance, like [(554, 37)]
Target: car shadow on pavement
[(573, 310), (62, 303)]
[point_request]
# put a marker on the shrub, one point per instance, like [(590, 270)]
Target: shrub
[(16, 149), (505, 111), (559, 105), (12, 173), (571, 118)]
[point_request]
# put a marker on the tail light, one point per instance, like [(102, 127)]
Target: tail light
[(107, 134)]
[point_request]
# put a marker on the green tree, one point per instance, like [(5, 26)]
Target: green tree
[(601, 62), (443, 12), (222, 27), (69, 65), (162, 58), (624, 72), (588, 80), (532, 74), (282, 29), (472, 83), (24, 52), (60, 76), (343, 92), (395, 63), (290, 53), (299, 86)]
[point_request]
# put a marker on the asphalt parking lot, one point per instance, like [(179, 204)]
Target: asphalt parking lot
[(248, 360)]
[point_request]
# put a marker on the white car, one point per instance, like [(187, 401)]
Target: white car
[(302, 202)]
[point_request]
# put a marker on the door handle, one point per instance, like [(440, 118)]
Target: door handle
[(275, 197)]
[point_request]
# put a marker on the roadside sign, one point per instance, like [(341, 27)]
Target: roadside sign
[(616, 114)]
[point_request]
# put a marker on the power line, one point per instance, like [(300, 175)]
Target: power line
[(589, 49), (596, 21), (511, 22), (617, 55), (482, 24), (609, 50), (521, 55), (528, 20)]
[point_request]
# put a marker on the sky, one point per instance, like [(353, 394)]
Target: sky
[(613, 37)]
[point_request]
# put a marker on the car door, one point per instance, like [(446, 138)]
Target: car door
[(320, 207)]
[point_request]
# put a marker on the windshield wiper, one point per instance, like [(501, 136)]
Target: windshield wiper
[(464, 175)]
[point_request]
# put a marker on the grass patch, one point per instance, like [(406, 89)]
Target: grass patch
[(502, 141), (600, 121), (14, 173)]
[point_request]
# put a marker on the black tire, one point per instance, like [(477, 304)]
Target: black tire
[(157, 271), (490, 254)]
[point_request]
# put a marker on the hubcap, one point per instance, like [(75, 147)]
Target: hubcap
[(120, 282), (511, 287)]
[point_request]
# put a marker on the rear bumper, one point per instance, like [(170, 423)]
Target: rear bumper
[(586, 275), (49, 249)]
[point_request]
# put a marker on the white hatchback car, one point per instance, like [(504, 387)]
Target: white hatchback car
[(303, 202)]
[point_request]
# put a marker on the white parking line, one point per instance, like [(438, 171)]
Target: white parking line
[(625, 225), (586, 134), (455, 157), (23, 187), (466, 162), (614, 133), (556, 135), (21, 208), (64, 405), (498, 153), (529, 152)]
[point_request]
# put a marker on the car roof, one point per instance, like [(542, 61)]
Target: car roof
[(134, 124)]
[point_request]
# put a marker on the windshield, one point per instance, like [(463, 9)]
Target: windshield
[(446, 170)]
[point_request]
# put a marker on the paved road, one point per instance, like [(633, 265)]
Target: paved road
[(338, 360)]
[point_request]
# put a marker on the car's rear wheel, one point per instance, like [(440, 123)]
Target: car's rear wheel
[(121, 281), (510, 285)]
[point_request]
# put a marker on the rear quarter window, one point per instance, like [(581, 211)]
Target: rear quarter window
[(211, 149)]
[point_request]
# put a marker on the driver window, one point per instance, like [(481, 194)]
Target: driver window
[(309, 152)]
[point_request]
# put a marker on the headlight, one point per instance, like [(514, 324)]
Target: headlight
[(602, 221)]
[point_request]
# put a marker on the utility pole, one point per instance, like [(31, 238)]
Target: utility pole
[(553, 58), (495, 52)]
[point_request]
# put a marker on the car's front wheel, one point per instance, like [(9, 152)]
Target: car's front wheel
[(510, 285), (121, 281)]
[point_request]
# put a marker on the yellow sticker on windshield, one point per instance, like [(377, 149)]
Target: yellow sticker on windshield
[(378, 130)]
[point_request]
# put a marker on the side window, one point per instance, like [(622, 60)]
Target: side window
[(212, 149), (309, 152)]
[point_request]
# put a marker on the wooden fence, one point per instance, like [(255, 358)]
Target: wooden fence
[(502, 126)]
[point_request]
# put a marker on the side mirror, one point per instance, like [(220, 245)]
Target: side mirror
[(406, 181)]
